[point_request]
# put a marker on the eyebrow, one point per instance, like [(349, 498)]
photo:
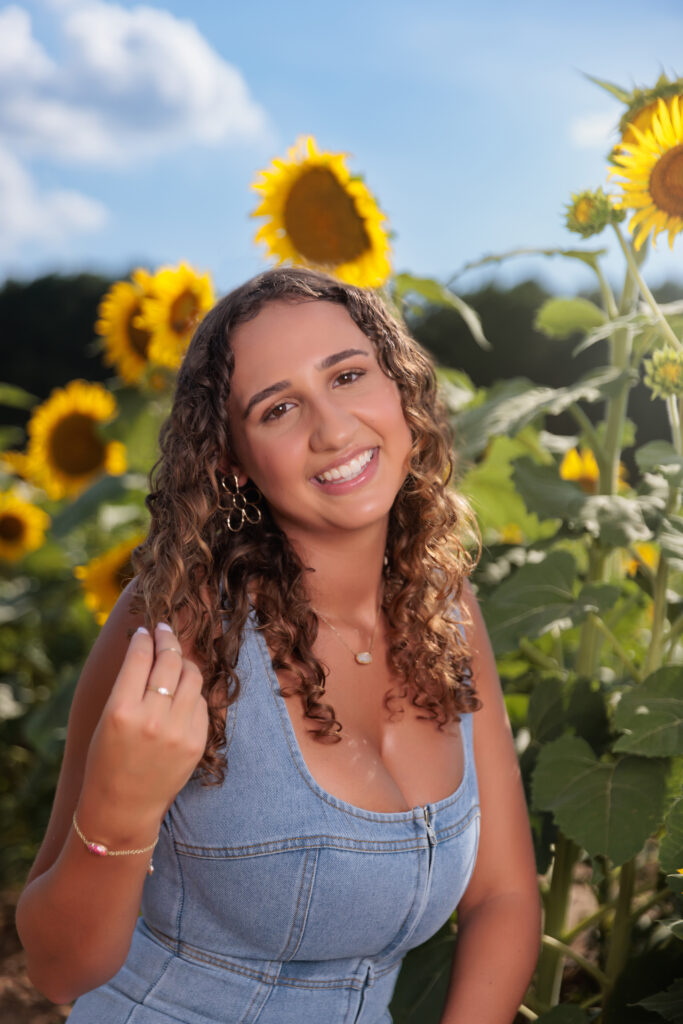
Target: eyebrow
[(324, 364)]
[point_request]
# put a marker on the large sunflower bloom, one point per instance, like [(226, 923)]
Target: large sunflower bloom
[(320, 216), (179, 298), (22, 526), (652, 173), (65, 451), (126, 343), (104, 577)]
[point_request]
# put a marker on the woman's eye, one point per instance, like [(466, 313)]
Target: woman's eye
[(277, 411), (348, 376)]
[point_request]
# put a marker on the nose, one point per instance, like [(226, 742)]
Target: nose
[(332, 426)]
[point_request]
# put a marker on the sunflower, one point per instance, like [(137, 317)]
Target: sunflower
[(652, 173), (511, 533), (664, 373), (320, 216), (22, 526), (642, 106), (647, 555), (65, 451), (104, 577), (581, 467), (178, 299), (126, 343), (590, 212)]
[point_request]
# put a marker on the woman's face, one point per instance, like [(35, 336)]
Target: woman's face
[(316, 424)]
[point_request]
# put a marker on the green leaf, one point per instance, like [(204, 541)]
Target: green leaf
[(423, 980), (668, 1004), (560, 318), (587, 713), (546, 711), (662, 456), (16, 397), (670, 537), (589, 256), (566, 1014), (544, 491), (105, 489), (651, 715), (609, 808), (616, 520), (437, 294), (615, 90), (533, 600), (677, 929), (10, 437), (671, 846)]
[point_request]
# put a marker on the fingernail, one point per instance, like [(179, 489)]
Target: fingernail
[(165, 626), (141, 629)]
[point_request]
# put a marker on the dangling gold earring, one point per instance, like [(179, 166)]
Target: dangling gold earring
[(241, 506)]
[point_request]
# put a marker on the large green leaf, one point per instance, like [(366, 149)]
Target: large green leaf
[(587, 714), (437, 294), (609, 808), (651, 715), (675, 883), (670, 537), (671, 846), (512, 404), (422, 984), (544, 491), (546, 711), (668, 1004), (616, 520), (559, 318), (663, 456), (531, 601)]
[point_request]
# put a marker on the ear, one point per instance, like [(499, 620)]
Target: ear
[(228, 468)]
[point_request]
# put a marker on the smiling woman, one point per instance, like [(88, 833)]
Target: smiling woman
[(314, 743)]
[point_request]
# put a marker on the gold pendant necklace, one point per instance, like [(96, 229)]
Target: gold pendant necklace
[(361, 657)]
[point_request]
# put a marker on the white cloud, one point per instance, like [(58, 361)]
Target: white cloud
[(133, 83), (28, 215), (593, 131)]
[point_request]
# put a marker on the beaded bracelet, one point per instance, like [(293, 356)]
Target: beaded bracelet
[(100, 850)]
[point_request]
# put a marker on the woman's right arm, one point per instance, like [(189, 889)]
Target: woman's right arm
[(129, 750)]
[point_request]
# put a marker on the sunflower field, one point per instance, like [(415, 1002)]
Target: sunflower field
[(579, 580)]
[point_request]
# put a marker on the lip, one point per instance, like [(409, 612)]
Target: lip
[(344, 486), (344, 459)]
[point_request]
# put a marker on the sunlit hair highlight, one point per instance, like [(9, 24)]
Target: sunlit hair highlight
[(206, 581)]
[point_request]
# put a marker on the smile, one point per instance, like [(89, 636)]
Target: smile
[(349, 470)]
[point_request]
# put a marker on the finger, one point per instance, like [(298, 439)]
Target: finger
[(168, 664), (135, 669), (188, 690)]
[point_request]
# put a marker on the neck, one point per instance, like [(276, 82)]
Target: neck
[(346, 580)]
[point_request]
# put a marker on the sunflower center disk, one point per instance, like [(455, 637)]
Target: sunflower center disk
[(139, 339), (322, 221), (75, 448), (11, 528), (183, 312), (666, 182)]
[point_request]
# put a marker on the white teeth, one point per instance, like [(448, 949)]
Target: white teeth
[(349, 470)]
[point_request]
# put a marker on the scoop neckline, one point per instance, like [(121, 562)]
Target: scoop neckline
[(300, 762)]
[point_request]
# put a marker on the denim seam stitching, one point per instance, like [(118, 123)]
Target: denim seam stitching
[(308, 904), (272, 847), (302, 882)]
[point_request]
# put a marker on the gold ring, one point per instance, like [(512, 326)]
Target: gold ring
[(160, 689)]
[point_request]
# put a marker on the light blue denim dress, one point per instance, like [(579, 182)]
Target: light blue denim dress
[(272, 901)]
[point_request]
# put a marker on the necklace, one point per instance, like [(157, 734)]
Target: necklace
[(362, 657)]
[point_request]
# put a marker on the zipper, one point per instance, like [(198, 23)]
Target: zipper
[(431, 834)]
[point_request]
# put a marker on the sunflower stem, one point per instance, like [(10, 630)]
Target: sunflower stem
[(588, 967), (591, 436), (673, 411), (549, 971), (645, 291), (623, 923), (607, 293), (655, 651)]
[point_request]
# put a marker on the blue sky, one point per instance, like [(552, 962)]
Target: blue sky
[(130, 133)]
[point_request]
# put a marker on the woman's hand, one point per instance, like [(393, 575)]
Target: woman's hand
[(149, 739)]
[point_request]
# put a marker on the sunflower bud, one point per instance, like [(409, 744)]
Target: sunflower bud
[(590, 212), (664, 373)]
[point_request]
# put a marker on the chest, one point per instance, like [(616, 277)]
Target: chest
[(391, 756)]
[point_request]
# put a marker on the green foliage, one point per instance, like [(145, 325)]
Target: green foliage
[(560, 318), (651, 715)]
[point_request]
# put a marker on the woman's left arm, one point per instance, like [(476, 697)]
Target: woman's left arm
[(499, 917)]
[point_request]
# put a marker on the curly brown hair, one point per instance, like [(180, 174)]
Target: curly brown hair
[(205, 580)]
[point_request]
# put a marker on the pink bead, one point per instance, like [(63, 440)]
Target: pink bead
[(98, 849)]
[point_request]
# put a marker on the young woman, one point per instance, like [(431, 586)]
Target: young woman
[(311, 738)]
